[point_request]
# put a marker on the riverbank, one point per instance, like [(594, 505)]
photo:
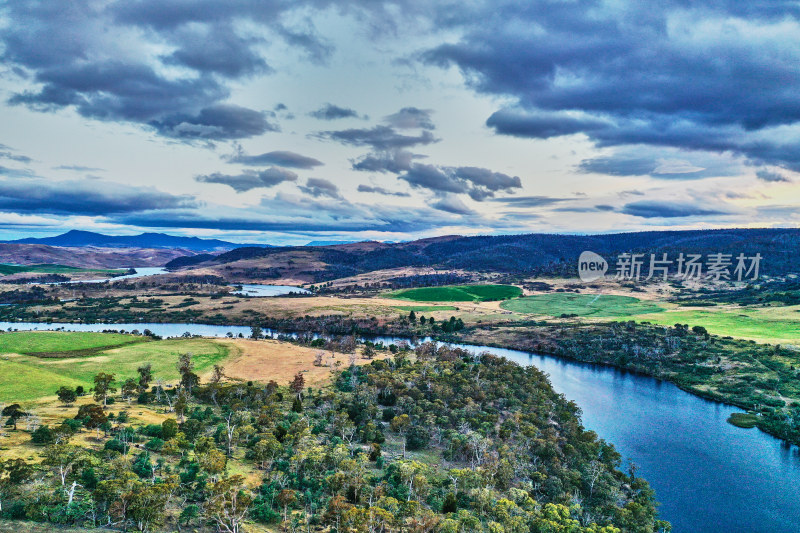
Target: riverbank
[(759, 378)]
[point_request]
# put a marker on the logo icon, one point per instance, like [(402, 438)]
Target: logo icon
[(591, 266)]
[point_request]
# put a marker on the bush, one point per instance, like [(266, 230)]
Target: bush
[(43, 435), (417, 438), (155, 444), (115, 445)]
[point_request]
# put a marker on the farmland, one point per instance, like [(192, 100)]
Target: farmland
[(458, 293), (584, 305)]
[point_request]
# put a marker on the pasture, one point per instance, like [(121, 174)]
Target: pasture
[(583, 305), (458, 293)]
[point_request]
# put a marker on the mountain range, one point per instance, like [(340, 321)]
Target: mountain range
[(79, 239)]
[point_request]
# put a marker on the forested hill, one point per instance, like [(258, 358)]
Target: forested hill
[(531, 253)]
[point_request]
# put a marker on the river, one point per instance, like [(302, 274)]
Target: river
[(709, 476)]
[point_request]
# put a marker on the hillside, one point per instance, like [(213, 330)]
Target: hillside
[(530, 254), (88, 257), (78, 239)]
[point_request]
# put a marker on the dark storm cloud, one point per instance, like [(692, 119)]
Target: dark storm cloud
[(411, 118), (772, 177), (479, 183), (380, 190), (666, 209), (281, 158), (712, 75), (318, 187), (334, 112), (250, 179), (379, 138), (83, 198)]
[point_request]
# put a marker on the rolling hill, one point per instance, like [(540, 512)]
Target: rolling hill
[(530, 254)]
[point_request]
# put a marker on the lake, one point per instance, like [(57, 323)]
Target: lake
[(708, 475)]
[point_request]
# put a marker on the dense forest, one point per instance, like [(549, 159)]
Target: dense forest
[(413, 442)]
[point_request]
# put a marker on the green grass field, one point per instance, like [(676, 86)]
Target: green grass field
[(6, 269), (458, 293), (27, 377), (589, 305), (424, 308), (764, 324), (31, 342)]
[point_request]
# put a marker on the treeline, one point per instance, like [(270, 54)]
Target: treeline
[(418, 442), (761, 378)]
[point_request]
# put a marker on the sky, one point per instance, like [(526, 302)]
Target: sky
[(283, 122)]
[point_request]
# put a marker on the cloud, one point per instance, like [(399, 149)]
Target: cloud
[(16, 172), (540, 124), (663, 163), (395, 161), (452, 204), (529, 201), (219, 122), (166, 65), (666, 209), (281, 158), (8, 153), (380, 190), (218, 50), (411, 118), (334, 112), (379, 138), (250, 179), (78, 168), (718, 76), (772, 177), (479, 183), (318, 187), (84, 197)]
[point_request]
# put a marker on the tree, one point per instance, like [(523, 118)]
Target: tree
[(145, 376), (369, 351), (14, 412), (297, 384), (286, 497), (63, 457), (92, 415), (189, 380), (218, 375), (102, 387), (256, 333), (66, 395), (228, 503), (412, 317), (148, 503), (13, 472), (129, 389), (169, 428)]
